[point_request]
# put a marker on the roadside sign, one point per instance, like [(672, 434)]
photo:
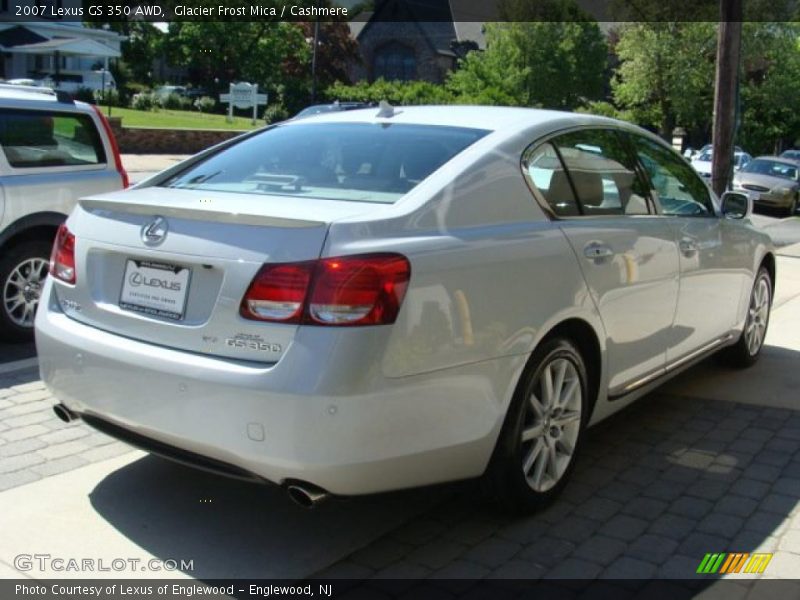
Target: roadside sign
[(243, 95)]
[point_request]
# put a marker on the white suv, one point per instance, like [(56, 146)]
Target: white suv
[(53, 151)]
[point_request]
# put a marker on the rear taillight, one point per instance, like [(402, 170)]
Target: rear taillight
[(350, 290), (62, 258), (114, 147), (359, 290), (278, 293)]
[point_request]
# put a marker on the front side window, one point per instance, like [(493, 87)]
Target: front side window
[(361, 162), (35, 139), (680, 190), (603, 173)]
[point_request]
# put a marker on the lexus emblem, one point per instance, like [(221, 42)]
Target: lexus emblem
[(155, 232)]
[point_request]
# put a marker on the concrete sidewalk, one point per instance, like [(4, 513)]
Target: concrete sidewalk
[(138, 163), (144, 166)]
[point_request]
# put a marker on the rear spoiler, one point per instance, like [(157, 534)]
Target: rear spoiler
[(201, 211)]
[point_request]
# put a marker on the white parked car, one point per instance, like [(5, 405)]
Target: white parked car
[(52, 152), (370, 300), (702, 163)]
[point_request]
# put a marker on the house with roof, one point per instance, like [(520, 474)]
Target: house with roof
[(53, 48), (419, 40)]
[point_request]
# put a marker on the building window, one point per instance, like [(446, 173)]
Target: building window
[(394, 61)]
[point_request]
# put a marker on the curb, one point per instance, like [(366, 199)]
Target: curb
[(18, 365)]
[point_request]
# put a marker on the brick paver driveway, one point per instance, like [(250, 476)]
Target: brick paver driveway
[(34, 443), (657, 487)]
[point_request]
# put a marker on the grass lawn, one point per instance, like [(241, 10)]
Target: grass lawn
[(175, 119)]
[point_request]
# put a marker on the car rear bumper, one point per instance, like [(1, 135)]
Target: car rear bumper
[(278, 422)]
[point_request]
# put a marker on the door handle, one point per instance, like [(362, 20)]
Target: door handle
[(597, 250), (688, 246)]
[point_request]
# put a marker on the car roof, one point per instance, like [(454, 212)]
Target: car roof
[(492, 118), (780, 159), (23, 96)]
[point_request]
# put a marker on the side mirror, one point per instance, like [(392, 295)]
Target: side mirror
[(736, 205)]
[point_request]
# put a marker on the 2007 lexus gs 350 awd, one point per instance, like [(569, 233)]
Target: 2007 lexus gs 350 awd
[(385, 298)]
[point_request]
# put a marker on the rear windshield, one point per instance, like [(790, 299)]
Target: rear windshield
[(33, 139), (335, 161)]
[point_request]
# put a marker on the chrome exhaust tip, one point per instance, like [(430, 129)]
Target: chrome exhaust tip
[(63, 413), (306, 495)]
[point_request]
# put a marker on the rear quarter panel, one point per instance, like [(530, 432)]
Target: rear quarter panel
[(490, 274)]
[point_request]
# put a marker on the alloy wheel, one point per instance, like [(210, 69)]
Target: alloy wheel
[(22, 290), (552, 424), (757, 316)]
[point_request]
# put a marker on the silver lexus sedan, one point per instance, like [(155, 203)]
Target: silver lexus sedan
[(385, 298)]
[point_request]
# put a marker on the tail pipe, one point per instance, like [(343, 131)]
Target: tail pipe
[(306, 495), (63, 413)]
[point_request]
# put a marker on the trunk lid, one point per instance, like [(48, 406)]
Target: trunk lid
[(171, 267)]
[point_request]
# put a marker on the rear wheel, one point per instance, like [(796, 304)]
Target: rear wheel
[(22, 273), (542, 434), (747, 349)]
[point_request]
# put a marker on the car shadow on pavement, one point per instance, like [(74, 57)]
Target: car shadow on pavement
[(230, 528), (673, 477)]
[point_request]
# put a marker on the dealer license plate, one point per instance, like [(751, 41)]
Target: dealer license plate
[(154, 288)]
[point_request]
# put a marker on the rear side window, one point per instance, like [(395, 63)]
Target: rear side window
[(36, 139), (550, 179), (360, 162)]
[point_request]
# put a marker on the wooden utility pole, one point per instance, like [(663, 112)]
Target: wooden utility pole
[(726, 85), (314, 58)]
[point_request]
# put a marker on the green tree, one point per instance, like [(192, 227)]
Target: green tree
[(666, 73), (770, 86), (143, 44), (560, 65), (219, 52)]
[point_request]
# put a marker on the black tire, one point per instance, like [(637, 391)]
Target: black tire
[(12, 322), (743, 353), (792, 210), (505, 479)]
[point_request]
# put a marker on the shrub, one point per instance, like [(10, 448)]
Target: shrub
[(111, 97), (143, 101), (275, 112), (171, 102), (394, 92), (186, 103), (205, 104), (134, 87)]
